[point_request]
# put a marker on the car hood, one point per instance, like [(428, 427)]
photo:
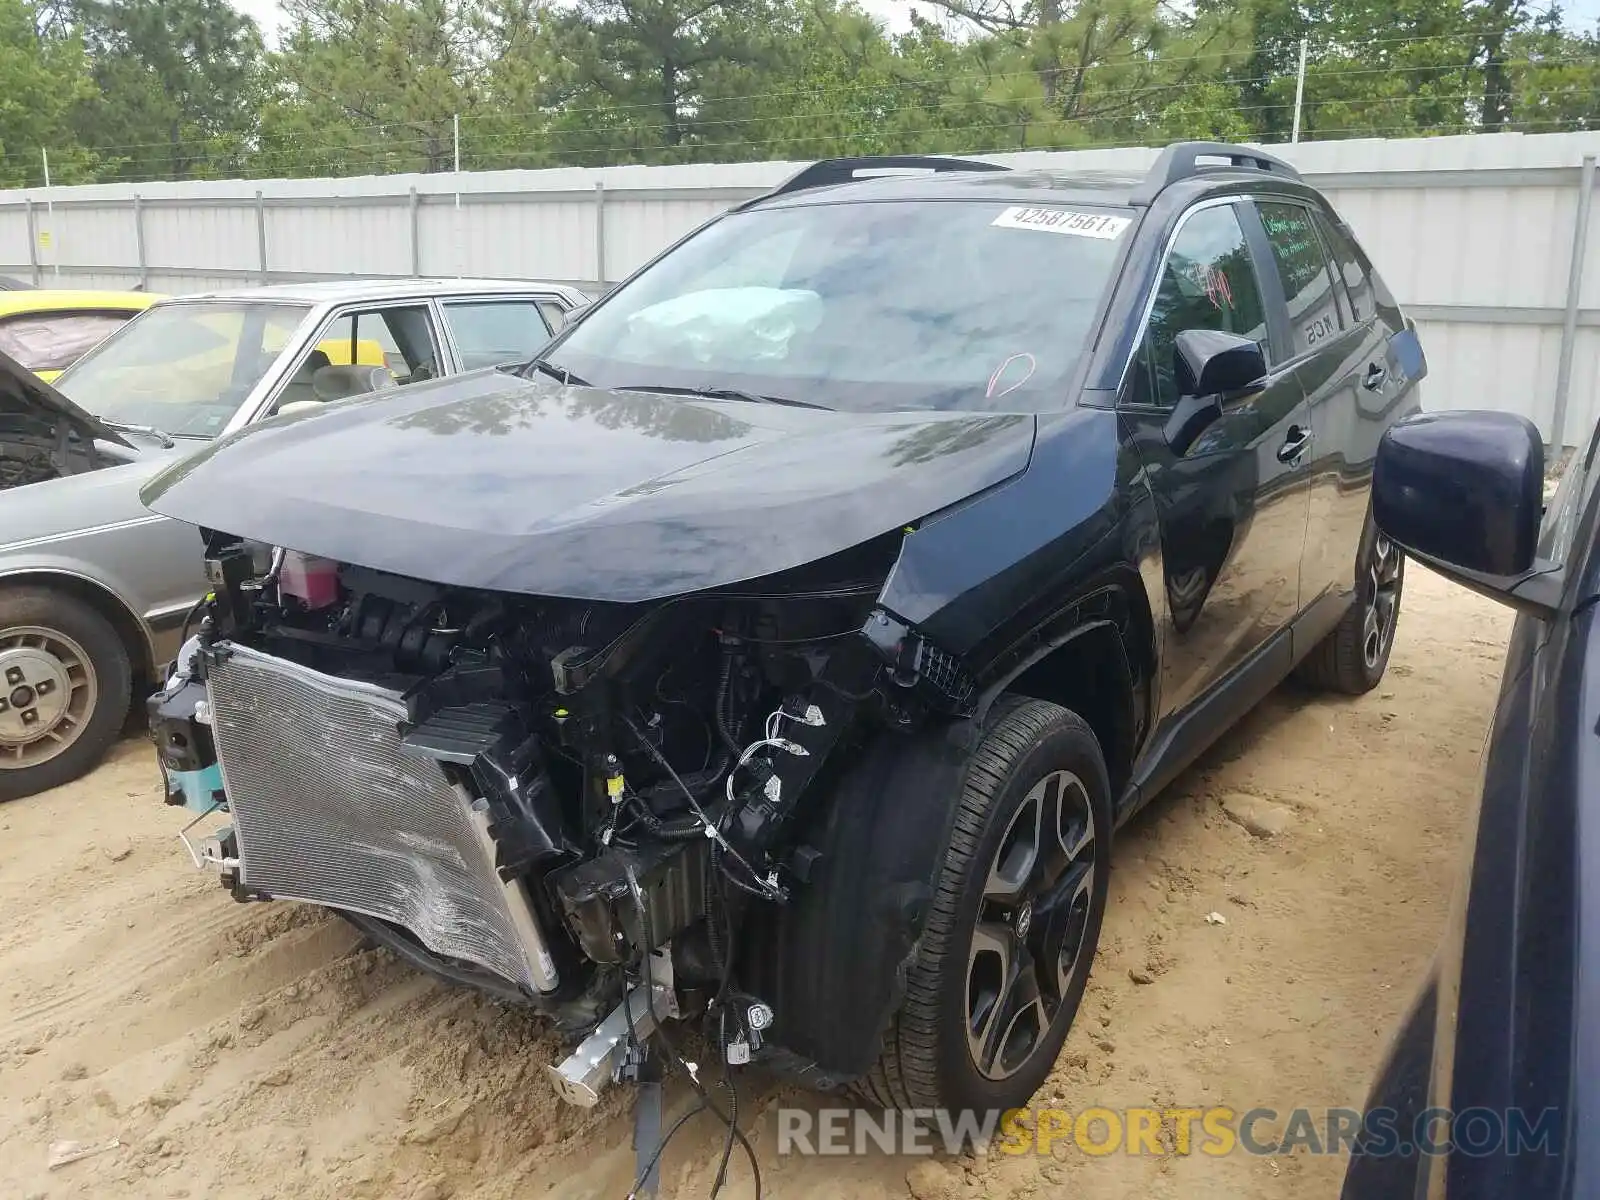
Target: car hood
[(490, 481), (22, 388)]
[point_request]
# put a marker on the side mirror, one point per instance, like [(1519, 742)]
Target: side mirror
[(1213, 363), (295, 406), (1209, 365), (1464, 492)]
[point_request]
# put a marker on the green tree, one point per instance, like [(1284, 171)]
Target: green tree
[(634, 75), (44, 76), (1106, 66), (370, 86), (1554, 77), (181, 88), (179, 85)]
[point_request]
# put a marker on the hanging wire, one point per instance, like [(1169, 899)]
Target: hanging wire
[(417, 127)]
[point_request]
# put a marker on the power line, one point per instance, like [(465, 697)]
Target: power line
[(993, 130), (1348, 48), (1151, 61), (1151, 91)]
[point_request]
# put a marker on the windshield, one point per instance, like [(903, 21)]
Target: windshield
[(183, 368), (863, 306), (51, 341)]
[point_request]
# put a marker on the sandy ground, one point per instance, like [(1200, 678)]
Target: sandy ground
[(256, 1052)]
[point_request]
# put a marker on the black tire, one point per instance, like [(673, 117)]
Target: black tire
[(93, 730), (1352, 659), (928, 1059)]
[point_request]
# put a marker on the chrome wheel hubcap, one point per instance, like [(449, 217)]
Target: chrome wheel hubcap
[(1027, 945), (47, 691), (1383, 600)]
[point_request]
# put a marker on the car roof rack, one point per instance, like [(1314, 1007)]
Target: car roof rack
[(830, 171), (1181, 160)]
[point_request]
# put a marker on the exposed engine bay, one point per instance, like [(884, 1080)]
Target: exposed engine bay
[(583, 806)]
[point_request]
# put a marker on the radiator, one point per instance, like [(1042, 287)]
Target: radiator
[(327, 809)]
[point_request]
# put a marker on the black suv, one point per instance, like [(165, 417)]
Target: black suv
[(782, 647)]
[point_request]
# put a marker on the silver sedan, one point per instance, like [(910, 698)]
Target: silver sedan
[(94, 588)]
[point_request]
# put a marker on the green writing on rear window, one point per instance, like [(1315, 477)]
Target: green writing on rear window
[(1295, 246)]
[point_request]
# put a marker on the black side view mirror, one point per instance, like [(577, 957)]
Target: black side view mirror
[(1464, 492), (1209, 365)]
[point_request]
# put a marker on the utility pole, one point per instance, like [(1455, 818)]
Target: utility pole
[(1299, 91), (455, 123), (50, 218)]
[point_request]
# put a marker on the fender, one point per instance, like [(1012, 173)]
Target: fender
[(101, 593), (1114, 599)]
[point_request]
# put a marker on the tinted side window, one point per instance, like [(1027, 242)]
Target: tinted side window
[(1307, 282), (54, 341), (489, 333), (1350, 267), (1208, 283)]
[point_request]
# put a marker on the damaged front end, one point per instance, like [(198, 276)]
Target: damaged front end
[(585, 806)]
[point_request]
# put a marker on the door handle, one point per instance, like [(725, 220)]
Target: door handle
[(1294, 445), (1375, 377)]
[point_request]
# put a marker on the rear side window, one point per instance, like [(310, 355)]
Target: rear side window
[(1346, 260), (1208, 282), (54, 341), (1307, 280)]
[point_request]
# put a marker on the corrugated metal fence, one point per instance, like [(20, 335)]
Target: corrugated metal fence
[(1486, 240)]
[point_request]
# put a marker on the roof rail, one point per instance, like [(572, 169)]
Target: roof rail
[(842, 170), (1181, 160)]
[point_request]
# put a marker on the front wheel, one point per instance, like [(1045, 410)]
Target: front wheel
[(65, 687), (1014, 923)]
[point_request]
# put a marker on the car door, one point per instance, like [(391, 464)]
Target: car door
[(1353, 391), (490, 331), (1329, 349), (1232, 505), (362, 349)]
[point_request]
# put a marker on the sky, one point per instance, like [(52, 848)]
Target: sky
[(895, 12), (1580, 13)]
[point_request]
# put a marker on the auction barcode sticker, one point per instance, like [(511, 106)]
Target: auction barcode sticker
[(1057, 220)]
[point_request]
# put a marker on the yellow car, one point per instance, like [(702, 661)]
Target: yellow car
[(47, 330)]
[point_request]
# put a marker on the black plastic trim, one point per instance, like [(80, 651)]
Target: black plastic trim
[(830, 171), (1181, 160)]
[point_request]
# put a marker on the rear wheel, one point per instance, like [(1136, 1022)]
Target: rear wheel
[(1353, 658), (1014, 923), (65, 686)]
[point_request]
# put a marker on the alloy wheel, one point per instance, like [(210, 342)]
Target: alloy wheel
[(1027, 945), (1383, 600), (48, 688)]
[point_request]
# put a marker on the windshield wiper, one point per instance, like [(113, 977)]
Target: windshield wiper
[(148, 430), (561, 373), (719, 393)]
